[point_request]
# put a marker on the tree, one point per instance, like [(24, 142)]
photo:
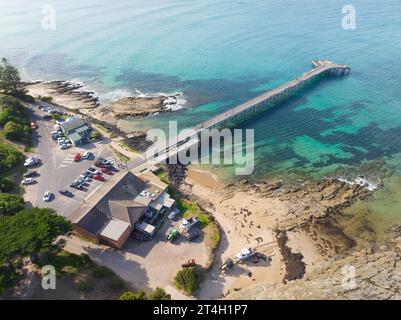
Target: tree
[(14, 131), (9, 157), (159, 294), (10, 80), (187, 279), (8, 277), (10, 204), (7, 185), (29, 231), (129, 295)]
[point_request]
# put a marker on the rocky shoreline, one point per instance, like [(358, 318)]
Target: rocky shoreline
[(75, 97), (313, 209)]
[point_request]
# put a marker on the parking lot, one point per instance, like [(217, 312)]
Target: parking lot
[(58, 169)]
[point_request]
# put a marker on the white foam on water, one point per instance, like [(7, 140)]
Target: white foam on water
[(361, 181)]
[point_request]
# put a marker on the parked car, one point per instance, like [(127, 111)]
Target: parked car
[(93, 170), (76, 185), (31, 161), (173, 234), (88, 173), (98, 164), (64, 146), (98, 177), (34, 125), (111, 168), (174, 214), (47, 196), (106, 171), (87, 155), (66, 193), (84, 178), (193, 234), (107, 162), (27, 181), (30, 174), (188, 224), (77, 157)]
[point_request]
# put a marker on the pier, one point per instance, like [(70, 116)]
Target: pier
[(320, 68)]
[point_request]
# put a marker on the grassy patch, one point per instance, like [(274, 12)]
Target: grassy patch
[(88, 278), (128, 147), (191, 209), (67, 263), (119, 155)]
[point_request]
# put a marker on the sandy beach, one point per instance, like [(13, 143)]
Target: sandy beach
[(246, 220)]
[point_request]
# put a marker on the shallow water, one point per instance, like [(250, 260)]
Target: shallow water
[(221, 53)]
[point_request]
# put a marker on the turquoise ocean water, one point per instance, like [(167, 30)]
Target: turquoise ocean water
[(220, 53)]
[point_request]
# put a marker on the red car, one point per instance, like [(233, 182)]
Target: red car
[(98, 177), (107, 171), (99, 164), (77, 157)]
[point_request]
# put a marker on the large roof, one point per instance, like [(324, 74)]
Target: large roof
[(116, 199), (72, 124), (114, 229)]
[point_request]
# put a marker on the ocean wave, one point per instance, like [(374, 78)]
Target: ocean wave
[(115, 95), (361, 181), (172, 101)]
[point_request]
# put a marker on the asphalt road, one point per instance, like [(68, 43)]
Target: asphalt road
[(58, 169)]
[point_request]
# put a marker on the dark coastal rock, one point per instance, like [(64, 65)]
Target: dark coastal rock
[(177, 173), (294, 266), (138, 141)]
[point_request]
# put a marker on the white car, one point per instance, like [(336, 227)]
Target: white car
[(174, 214), (31, 161), (87, 155), (189, 223), (64, 146), (27, 181), (47, 196)]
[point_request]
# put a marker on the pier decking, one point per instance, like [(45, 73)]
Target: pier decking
[(319, 67)]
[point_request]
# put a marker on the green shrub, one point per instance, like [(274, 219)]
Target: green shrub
[(7, 185), (102, 273), (16, 132), (95, 135), (187, 280), (9, 157), (116, 284), (10, 204), (159, 294), (8, 278), (85, 286), (129, 295), (11, 109)]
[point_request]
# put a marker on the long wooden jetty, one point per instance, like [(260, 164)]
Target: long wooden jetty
[(319, 68)]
